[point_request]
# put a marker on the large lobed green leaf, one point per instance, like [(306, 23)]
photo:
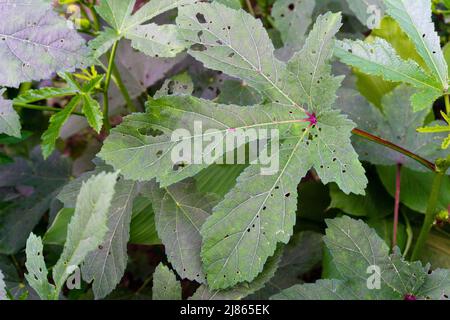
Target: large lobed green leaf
[(248, 222)]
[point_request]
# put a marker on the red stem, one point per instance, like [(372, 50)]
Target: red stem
[(397, 203), (363, 134)]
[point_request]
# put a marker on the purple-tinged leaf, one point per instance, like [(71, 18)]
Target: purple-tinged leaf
[(35, 42)]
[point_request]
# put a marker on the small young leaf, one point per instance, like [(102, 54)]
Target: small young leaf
[(37, 270), (56, 123), (165, 284), (92, 111), (31, 96)]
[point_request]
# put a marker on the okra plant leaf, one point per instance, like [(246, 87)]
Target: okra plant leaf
[(143, 156), (396, 122), (380, 59), (88, 226), (92, 111), (355, 248), (292, 19), (56, 123), (37, 275), (3, 293), (152, 39), (437, 285), (106, 264), (180, 211), (368, 11), (36, 183), (238, 93), (35, 95), (235, 4), (244, 289), (179, 84), (9, 119), (165, 284), (156, 41), (215, 34), (414, 18), (31, 29), (300, 256), (320, 290)]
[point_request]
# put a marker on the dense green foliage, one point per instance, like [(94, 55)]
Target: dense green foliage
[(352, 202)]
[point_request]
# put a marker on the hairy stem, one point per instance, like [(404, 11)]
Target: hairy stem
[(112, 56), (123, 89), (430, 215), (42, 108), (428, 164), (397, 203)]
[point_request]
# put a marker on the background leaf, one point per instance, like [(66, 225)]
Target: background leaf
[(32, 29), (165, 284)]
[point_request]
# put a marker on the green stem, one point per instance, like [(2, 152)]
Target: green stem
[(430, 215), (24, 87), (123, 89), (409, 234), (250, 7), (112, 56), (447, 104), (429, 165), (42, 108)]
